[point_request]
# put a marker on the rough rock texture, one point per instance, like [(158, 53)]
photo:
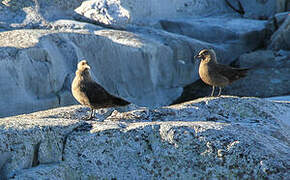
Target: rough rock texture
[(281, 38), (147, 12), (41, 42), (226, 137), (109, 12), (242, 35), (259, 9), (279, 98), (280, 17), (40, 13), (269, 76), (150, 11), (35, 13), (37, 66), (217, 29)]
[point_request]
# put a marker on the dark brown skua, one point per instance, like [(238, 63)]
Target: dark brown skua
[(89, 93), (215, 74)]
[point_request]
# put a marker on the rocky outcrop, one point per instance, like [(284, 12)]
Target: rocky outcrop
[(108, 12), (127, 12), (264, 80), (257, 9), (143, 52), (226, 137), (135, 48), (147, 12), (280, 98), (35, 13), (119, 13), (37, 66), (280, 39), (141, 66), (268, 76), (240, 35)]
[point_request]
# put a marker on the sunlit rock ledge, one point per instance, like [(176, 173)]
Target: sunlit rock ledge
[(219, 137)]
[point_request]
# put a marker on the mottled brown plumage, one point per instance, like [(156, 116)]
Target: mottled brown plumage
[(215, 74), (89, 93)]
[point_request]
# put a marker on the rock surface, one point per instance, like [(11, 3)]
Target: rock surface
[(281, 38), (109, 12), (40, 13), (280, 18), (127, 44), (239, 35), (226, 137), (279, 98), (268, 76), (141, 66), (35, 13), (37, 66)]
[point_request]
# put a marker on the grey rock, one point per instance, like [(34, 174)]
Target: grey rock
[(281, 38), (274, 23), (108, 12), (43, 172), (269, 75), (31, 143), (258, 59), (120, 13), (258, 9), (242, 35), (65, 24), (35, 13), (280, 17), (37, 66), (226, 137), (279, 98)]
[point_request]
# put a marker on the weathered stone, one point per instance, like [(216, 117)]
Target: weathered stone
[(147, 12), (226, 137), (43, 172), (257, 9), (281, 38), (120, 13), (268, 76), (37, 66), (258, 59), (35, 13), (40, 13), (274, 23), (154, 78), (280, 18), (280, 98), (109, 12), (66, 24), (242, 35), (30, 143)]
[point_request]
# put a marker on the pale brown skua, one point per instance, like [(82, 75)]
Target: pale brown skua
[(215, 74), (89, 93)]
